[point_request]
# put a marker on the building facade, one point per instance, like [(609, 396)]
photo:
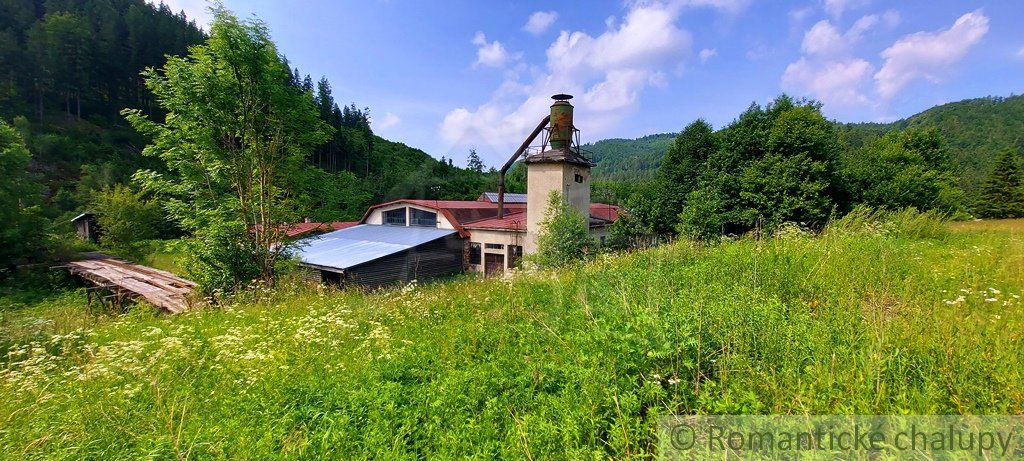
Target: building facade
[(476, 235)]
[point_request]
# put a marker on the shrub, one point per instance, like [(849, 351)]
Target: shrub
[(127, 219), (565, 235), (702, 218)]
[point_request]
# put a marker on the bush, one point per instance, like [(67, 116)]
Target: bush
[(565, 235), (127, 219), (702, 218)]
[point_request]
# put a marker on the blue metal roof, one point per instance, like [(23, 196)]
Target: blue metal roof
[(509, 197), (356, 245)]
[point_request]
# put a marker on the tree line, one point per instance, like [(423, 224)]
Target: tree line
[(786, 163)]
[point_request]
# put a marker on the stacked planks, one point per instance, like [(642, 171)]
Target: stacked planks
[(160, 288)]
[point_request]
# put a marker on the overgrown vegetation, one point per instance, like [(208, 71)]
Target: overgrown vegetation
[(564, 237), (20, 202), (880, 314)]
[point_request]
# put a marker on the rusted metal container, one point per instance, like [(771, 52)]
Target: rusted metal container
[(560, 134)]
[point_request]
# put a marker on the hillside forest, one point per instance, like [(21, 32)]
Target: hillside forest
[(69, 67)]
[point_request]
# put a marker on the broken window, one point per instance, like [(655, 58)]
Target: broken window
[(515, 252), (474, 253)]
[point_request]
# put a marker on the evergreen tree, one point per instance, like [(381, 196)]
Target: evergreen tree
[(474, 163), (1002, 195)]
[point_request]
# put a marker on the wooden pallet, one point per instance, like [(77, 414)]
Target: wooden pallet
[(125, 280)]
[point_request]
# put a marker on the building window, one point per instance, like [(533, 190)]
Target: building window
[(422, 218), (514, 253), (474, 253), (395, 217), (494, 246)]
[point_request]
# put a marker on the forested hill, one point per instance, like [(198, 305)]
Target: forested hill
[(69, 67), (628, 159), (975, 130)]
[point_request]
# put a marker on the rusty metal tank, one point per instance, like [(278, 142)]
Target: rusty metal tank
[(560, 134)]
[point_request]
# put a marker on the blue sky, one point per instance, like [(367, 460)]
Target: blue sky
[(447, 76)]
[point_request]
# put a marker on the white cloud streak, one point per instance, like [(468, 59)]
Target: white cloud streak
[(389, 121), (490, 54), (540, 21), (928, 55), (707, 53)]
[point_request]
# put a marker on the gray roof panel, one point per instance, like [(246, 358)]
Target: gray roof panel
[(360, 244), (509, 197)]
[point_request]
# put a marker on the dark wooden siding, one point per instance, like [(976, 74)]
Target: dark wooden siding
[(430, 260)]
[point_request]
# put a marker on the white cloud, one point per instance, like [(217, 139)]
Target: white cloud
[(1020, 54), (829, 71), (389, 120), (491, 54), (928, 55), (540, 21), (833, 82), (707, 53), (607, 73), (823, 39)]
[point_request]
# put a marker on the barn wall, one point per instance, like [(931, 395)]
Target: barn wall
[(431, 260)]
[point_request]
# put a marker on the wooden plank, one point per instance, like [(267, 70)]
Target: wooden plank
[(160, 288)]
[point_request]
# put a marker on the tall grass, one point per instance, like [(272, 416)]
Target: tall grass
[(898, 317)]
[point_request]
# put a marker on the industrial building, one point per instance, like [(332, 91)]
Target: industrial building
[(415, 239)]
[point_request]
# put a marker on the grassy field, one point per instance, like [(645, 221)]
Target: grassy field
[(900, 315)]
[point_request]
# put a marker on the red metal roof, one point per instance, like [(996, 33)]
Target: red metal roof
[(474, 214), (511, 221), (303, 228), (605, 211)]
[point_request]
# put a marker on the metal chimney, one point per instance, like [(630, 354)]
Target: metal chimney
[(560, 133)]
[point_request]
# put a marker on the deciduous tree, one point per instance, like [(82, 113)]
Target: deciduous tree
[(234, 140)]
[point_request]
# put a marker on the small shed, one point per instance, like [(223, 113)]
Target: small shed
[(377, 255), (86, 227)]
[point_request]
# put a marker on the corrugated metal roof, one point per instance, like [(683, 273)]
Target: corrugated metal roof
[(356, 245), (511, 221), (509, 197)]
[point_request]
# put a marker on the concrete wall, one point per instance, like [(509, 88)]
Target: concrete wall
[(504, 238), (541, 180), (377, 215)]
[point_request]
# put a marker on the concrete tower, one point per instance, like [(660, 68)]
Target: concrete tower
[(560, 167)]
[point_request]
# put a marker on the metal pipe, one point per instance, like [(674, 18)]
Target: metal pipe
[(511, 161)]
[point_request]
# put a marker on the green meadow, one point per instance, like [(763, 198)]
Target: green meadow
[(879, 314)]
